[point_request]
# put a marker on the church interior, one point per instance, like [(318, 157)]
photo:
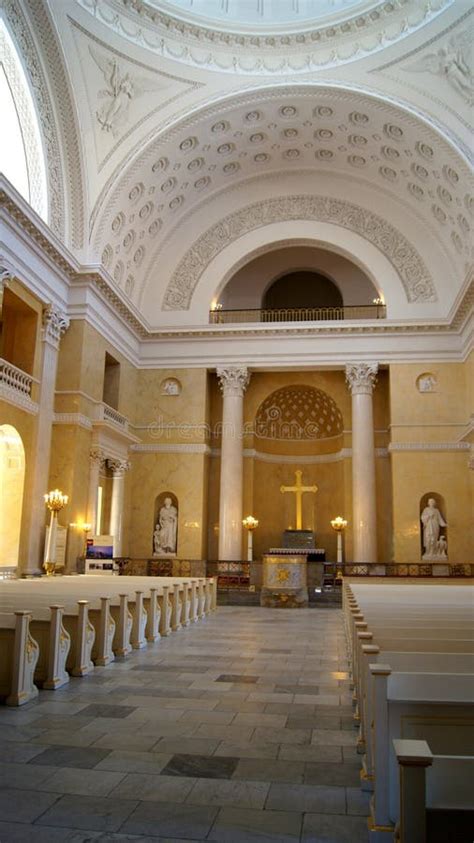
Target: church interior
[(236, 420)]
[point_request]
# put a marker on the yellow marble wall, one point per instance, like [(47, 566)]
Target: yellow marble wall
[(69, 471), (427, 420), (262, 479), (182, 474)]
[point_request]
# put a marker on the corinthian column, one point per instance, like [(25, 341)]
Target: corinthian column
[(233, 382), (361, 378), (55, 323), (118, 467)]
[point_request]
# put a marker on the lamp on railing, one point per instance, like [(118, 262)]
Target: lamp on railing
[(85, 528), (55, 501), (339, 524), (250, 523)]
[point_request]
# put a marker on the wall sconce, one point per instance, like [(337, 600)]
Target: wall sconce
[(55, 501)]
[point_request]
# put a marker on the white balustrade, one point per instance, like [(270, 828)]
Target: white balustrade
[(15, 378)]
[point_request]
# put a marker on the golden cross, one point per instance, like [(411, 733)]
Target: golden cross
[(298, 489)]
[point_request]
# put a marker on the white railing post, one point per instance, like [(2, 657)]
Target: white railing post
[(138, 639), (413, 758)]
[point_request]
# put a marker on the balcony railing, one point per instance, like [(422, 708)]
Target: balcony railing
[(108, 414), (15, 378), (298, 314)]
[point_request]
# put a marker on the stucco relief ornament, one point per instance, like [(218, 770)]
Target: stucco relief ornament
[(233, 380), (120, 91), (452, 63), (118, 467), (361, 377), (55, 324)]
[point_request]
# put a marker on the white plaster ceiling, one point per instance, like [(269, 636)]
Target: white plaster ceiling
[(184, 125)]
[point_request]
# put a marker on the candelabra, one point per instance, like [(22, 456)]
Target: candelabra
[(55, 501), (339, 524), (250, 523)]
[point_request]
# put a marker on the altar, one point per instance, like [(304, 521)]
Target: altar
[(285, 569)]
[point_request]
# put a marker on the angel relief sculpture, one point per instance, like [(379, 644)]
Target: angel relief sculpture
[(453, 63), (120, 91)]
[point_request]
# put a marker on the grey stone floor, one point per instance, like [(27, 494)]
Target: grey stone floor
[(237, 730)]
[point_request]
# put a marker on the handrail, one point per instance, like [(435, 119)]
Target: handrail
[(109, 414), (219, 316), (15, 378)]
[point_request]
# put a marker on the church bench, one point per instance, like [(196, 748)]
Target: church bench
[(74, 620), (431, 781), (19, 654), (419, 707)]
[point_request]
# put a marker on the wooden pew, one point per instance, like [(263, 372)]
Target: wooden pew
[(19, 654)]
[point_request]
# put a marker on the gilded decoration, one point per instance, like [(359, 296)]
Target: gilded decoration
[(298, 413)]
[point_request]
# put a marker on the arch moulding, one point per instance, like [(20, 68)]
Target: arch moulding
[(343, 219)]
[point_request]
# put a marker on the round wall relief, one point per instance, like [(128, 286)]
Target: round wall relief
[(427, 382), (298, 413), (170, 386)]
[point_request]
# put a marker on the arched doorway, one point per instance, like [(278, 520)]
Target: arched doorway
[(12, 481)]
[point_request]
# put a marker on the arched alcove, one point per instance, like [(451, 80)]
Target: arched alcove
[(12, 480), (433, 527), (165, 525), (302, 288)]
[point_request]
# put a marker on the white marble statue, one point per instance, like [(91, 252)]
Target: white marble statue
[(164, 536), (432, 520)]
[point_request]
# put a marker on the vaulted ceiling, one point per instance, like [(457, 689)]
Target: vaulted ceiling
[(190, 138)]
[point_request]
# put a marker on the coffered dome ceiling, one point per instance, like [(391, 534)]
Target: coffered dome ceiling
[(193, 137), (395, 171)]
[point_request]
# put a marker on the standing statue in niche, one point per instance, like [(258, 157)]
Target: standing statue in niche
[(164, 536), (432, 520)]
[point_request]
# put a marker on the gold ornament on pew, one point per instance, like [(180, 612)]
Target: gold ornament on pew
[(55, 501)]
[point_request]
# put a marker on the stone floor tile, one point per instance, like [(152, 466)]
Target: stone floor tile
[(336, 737), (282, 736), (106, 710), (228, 792), (228, 733), (189, 822), (132, 740), (23, 833), (67, 756), (258, 769), (329, 754), (242, 825), (155, 788), (276, 721), (24, 806), (20, 753), (236, 677), (329, 828), (87, 812), (62, 737), (357, 802), (241, 707), (247, 749), (23, 776), (304, 797), (201, 766), (222, 718), (190, 746), (123, 760), (337, 775), (83, 782)]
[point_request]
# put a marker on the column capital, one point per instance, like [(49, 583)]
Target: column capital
[(361, 377), (233, 380), (97, 457), (118, 467), (55, 324)]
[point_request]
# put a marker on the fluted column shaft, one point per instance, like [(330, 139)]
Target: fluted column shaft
[(119, 468), (361, 378), (55, 324), (233, 382), (97, 461)]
